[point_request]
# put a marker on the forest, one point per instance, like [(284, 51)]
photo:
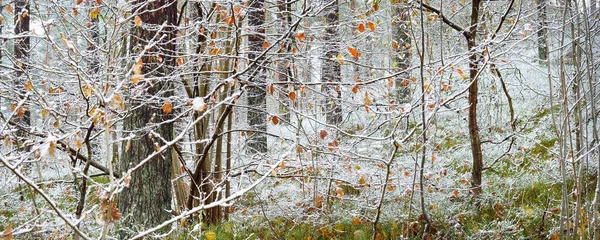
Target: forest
[(299, 119)]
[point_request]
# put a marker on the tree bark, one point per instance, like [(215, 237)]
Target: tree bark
[(331, 70), (257, 116), (401, 50), (474, 60), (543, 30), (148, 198)]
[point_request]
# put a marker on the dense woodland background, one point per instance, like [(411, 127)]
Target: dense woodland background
[(299, 119)]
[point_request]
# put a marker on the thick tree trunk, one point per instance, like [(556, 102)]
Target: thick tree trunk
[(148, 198), (473, 94), (401, 50), (331, 70), (22, 48), (257, 116)]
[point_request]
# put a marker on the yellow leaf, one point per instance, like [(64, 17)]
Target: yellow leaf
[(367, 101), (136, 78), (137, 20), (95, 12), (44, 112), (210, 235), (371, 25), (28, 86)]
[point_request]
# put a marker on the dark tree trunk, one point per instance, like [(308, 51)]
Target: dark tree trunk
[(146, 201), (257, 116), (284, 64), (473, 94), (401, 58), (22, 48), (543, 30), (330, 71)]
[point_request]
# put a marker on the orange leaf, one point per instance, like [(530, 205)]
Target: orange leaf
[(79, 2), (299, 149), (339, 192), (371, 25), (271, 89), (275, 120), (300, 36), (356, 221), (137, 20), (361, 27), (265, 45), (9, 9), (167, 107), (230, 20), (214, 52), (460, 72), (355, 89), (323, 133), (455, 193), (292, 96), (319, 202), (237, 9), (353, 52), (395, 45), (179, 61)]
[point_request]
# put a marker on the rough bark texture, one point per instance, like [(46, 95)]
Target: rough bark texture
[(401, 48), (148, 198), (22, 48), (330, 71), (543, 29), (257, 142), (473, 94), (284, 64)]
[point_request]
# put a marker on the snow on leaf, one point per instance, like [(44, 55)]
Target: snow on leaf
[(198, 104), (353, 52), (137, 20), (300, 36)]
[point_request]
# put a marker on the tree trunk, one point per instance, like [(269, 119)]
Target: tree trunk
[(330, 70), (401, 50), (543, 30), (257, 116), (22, 48), (473, 94), (146, 201)]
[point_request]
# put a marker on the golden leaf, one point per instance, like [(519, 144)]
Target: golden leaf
[(371, 26)]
